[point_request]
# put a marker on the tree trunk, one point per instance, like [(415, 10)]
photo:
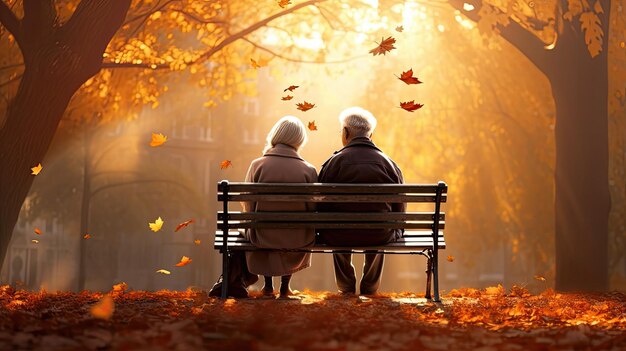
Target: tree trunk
[(582, 200)]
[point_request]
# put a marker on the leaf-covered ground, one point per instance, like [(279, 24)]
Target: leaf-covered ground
[(468, 319)]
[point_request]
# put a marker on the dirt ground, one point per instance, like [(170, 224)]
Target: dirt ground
[(467, 319)]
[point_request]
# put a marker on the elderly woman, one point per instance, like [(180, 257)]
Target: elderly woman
[(280, 163)]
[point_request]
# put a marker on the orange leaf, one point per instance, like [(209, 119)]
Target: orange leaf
[(284, 3), (305, 106), (184, 261), (450, 258), (259, 64), (312, 126), (36, 169), (285, 98), (292, 88), (104, 308), (399, 29), (121, 287), (87, 236), (197, 241), (410, 106), (183, 225), (158, 139), (408, 78), (540, 278), (384, 46), (225, 164), (37, 231)]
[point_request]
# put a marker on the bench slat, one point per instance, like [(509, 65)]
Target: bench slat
[(310, 188), (347, 198), (329, 225), (331, 216)]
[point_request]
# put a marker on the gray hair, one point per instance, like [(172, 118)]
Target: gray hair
[(359, 121), (289, 130)]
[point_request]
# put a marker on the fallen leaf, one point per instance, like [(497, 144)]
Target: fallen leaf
[(410, 106), (399, 28), (158, 139), (104, 308), (164, 271), (292, 88), (156, 226), (183, 261), (305, 106), (87, 236), (120, 288), (450, 258), (225, 164), (284, 3), (35, 241), (384, 46), (312, 126), (285, 98), (408, 78), (183, 225), (36, 169), (197, 241), (540, 278), (37, 231)]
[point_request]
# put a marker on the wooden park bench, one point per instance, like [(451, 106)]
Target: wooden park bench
[(420, 236)]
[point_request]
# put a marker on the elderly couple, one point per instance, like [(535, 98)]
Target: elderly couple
[(360, 161)]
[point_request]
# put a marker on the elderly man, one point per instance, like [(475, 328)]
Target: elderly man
[(360, 161)]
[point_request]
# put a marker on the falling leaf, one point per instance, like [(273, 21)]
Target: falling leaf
[(410, 106), (156, 226), (258, 64), (37, 231), (35, 241), (164, 271), (384, 46), (183, 261), (292, 88), (399, 29), (285, 98), (225, 164), (87, 236), (450, 258), (120, 288), (540, 278), (284, 3), (104, 308), (158, 139), (408, 78), (197, 241), (36, 169), (305, 106), (312, 126), (183, 225)]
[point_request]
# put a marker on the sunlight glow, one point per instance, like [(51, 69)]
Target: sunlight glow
[(468, 7)]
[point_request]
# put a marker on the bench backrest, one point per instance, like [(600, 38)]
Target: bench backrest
[(324, 192)]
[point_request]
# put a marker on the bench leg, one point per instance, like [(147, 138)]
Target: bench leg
[(225, 276), (429, 274), (436, 278)]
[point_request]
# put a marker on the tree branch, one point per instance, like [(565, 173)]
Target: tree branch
[(286, 58), (10, 21), (254, 27), (528, 44)]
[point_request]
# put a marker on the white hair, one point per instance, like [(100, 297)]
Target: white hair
[(289, 130), (360, 122)]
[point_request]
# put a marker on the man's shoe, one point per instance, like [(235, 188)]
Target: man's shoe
[(237, 291)]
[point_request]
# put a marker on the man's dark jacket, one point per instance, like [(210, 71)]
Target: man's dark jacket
[(360, 162)]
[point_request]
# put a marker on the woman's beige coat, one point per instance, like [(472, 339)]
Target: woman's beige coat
[(280, 164)]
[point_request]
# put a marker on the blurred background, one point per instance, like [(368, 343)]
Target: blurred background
[(486, 128)]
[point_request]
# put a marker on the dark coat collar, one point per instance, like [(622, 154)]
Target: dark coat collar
[(283, 150), (360, 141)]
